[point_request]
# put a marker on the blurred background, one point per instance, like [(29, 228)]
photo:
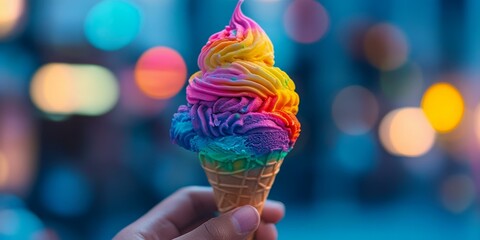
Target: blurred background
[(390, 114)]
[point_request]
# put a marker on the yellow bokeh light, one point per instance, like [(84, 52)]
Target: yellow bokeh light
[(52, 88), (406, 132), (444, 107), (4, 169), (74, 89), (98, 87), (10, 13)]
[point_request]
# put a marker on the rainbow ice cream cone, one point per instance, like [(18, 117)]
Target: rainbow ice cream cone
[(240, 115)]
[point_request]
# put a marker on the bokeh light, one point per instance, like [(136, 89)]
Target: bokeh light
[(355, 110), (112, 24), (65, 191), (306, 21), (10, 13), (96, 89), (18, 223), (457, 193), (406, 132), (443, 104), (18, 148), (403, 85), (385, 46), (361, 156), (161, 72), (67, 89), (4, 170), (52, 88)]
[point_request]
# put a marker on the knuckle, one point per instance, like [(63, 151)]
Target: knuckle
[(141, 236)]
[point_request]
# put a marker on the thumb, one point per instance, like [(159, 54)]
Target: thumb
[(237, 224)]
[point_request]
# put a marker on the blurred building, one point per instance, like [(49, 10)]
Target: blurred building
[(390, 114)]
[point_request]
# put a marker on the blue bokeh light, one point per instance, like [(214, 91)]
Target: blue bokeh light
[(112, 24), (18, 223), (66, 192)]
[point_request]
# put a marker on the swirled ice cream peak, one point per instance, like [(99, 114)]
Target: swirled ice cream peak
[(242, 39), (239, 104)]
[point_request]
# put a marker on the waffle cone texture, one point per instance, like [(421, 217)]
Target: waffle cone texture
[(242, 186)]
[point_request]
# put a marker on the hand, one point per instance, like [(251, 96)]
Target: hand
[(188, 214)]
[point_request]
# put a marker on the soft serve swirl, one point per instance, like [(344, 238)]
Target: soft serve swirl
[(238, 95)]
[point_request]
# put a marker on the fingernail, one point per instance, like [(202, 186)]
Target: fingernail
[(245, 219)]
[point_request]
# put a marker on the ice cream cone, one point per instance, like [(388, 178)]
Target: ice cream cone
[(239, 184), (243, 185)]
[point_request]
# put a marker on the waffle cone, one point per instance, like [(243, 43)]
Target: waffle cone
[(242, 186)]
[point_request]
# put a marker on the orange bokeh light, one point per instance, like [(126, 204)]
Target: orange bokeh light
[(160, 73)]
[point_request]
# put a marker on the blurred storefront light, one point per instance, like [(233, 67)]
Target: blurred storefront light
[(406, 132), (52, 88), (355, 110), (306, 21), (10, 13), (444, 106), (74, 89), (386, 46), (96, 88), (160, 73), (112, 24)]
